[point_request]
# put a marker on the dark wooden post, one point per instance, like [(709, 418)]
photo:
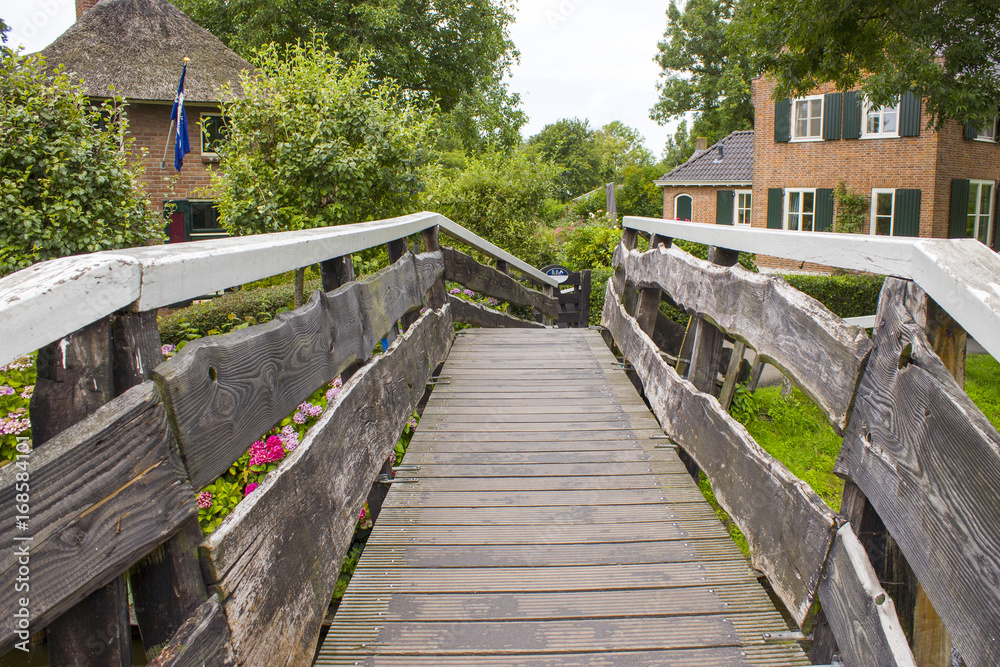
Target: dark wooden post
[(167, 586), (336, 272), (706, 353), (549, 290), (649, 298), (436, 295), (75, 378), (630, 238), (397, 249)]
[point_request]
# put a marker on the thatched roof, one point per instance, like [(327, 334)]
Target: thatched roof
[(138, 46)]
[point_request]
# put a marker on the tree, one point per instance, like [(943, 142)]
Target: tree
[(314, 143), (569, 143), (498, 196), (69, 180), (454, 53), (705, 71), (948, 52), (620, 147)]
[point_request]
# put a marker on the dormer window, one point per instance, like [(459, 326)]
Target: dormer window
[(807, 119), (881, 122)]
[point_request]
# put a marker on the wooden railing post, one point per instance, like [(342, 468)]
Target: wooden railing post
[(436, 296), (549, 290), (630, 239), (75, 378), (336, 272), (397, 249), (706, 352), (649, 298), (167, 585)]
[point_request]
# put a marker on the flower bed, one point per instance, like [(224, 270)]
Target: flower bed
[(18, 384)]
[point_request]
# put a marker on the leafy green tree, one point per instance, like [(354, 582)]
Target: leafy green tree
[(946, 51), (569, 143), (619, 148), (499, 196), (69, 180), (454, 53), (314, 143), (679, 147), (705, 72)]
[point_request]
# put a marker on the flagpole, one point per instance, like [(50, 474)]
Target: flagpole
[(166, 146)]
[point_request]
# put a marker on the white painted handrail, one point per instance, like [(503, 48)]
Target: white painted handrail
[(961, 275), (47, 301)]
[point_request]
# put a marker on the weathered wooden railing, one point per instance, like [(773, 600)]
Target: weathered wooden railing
[(918, 455), (110, 485)]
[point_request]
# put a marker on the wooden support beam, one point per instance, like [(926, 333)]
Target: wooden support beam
[(337, 272), (549, 291), (166, 585), (708, 340), (732, 375), (481, 316), (436, 294), (397, 249), (76, 378), (648, 305), (465, 270)]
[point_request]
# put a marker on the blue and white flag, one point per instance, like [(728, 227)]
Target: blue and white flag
[(182, 145)]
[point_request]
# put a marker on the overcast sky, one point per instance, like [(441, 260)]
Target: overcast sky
[(588, 59)]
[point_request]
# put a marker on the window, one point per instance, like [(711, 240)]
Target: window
[(741, 212), (988, 133), (682, 207), (979, 221), (881, 122), (807, 119), (214, 131), (882, 213), (800, 210)]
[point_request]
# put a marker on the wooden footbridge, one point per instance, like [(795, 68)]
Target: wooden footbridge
[(546, 513)]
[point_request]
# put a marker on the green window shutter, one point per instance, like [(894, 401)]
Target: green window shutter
[(831, 116), (775, 208), (958, 225), (906, 216), (782, 120), (909, 115), (683, 209), (724, 207), (824, 210), (852, 114), (970, 131)]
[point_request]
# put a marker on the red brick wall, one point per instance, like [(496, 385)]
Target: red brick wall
[(961, 158), (149, 124), (702, 202)]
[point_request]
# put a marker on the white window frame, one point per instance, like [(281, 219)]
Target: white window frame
[(792, 123), (868, 108), (892, 211), (677, 198), (736, 208), (988, 138), (975, 186), (201, 131), (788, 200)]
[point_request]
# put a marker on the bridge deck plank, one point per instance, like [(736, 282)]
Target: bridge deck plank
[(546, 527)]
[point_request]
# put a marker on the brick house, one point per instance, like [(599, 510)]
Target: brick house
[(714, 185), (138, 48), (916, 181)]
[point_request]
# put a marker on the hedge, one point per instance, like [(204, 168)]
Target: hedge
[(260, 304), (846, 296)]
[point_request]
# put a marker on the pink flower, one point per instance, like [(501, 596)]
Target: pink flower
[(454, 290), (363, 514), (299, 418), (268, 451), (331, 393), (28, 391), (6, 391), (250, 487), (204, 500), (338, 383), (469, 292), (412, 423), (492, 302), (168, 350)]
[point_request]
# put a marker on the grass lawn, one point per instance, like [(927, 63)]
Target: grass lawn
[(982, 383)]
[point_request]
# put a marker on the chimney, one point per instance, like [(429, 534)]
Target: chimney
[(701, 145), (84, 5)]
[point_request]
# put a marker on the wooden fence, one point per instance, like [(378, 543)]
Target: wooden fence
[(123, 440), (919, 458)]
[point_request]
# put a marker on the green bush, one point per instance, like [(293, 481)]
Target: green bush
[(846, 296), (258, 305), (588, 246), (599, 277)]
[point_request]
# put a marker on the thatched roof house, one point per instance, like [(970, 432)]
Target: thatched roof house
[(138, 47)]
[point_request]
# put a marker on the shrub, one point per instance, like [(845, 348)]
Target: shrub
[(599, 277), (247, 305), (846, 296), (850, 210), (588, 246)]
